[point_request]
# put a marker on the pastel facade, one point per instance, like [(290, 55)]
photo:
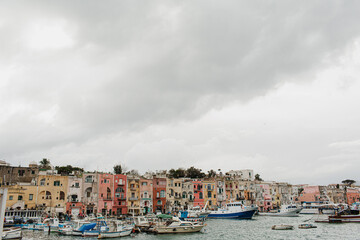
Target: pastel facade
[(133, 195), (210, 192), (352, 195), (120, 194), (90, 192), (173, 194), (21, 197), (187, 194), (198, 194), (146, 195), (52, 193), (106, 192), (310, 194), (74, 205), (221, 191)]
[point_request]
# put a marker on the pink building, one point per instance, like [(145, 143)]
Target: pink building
[(106, 186), (198, 194), (266, 204), (146, 198), (310, 194), (119, 190)]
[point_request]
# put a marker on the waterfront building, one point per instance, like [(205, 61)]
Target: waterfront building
[(310, 194), (232, 190), (146, 197), (173, 194), (221, 193), (52, 192), (187, 194), (244, 175), (74, 206), (265, 200), (120, 190), (352, 195), (198, 194), (133, 194), (90, 191), (159, 194), (210, 192), (21, 196), (106, 192), (11, 175)]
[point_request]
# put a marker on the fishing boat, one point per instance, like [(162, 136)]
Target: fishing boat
[(11, 233), (66, 230), (175, 225), (233, 210), (282, 227), (85, 227), (51, 224), (346, 216), (100, 227), (285, 211), (117, 229), (307, 226)]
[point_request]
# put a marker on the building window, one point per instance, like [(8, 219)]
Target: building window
[(11, 197), (162, 193), (62, 195), (144, 183), (117, 194), (88, 179), (119, 189), (32, 172), (209, 194), (21, 173), (56, 183), (42, 182), (200, 195), (31, 196)]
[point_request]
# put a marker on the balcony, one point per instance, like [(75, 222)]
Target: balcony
[(120, 183), (146, 199), (133, 189), (133, 198)]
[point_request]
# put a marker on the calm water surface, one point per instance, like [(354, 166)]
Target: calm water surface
[(258, 228)]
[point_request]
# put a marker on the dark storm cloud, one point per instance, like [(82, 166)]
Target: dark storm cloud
[(138, 63)]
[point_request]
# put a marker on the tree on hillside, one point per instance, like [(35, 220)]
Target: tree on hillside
[(258, 178), (211, 174), (118, 169), (45, 164), (348, 182), (178, 173), (68, 169), (193, 172)]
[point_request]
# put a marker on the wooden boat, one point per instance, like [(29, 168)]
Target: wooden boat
[(175, 225), (282, 227), (306, 226), (117, 229), (12, 233)]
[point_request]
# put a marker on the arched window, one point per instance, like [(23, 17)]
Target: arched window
[(88, 179), (62, 195), (48, 195), (120, 189), (108, 194), (159, 202), (190, 194), (88, 191), (184, 195)]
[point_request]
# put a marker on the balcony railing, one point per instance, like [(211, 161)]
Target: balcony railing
[(133, 198)]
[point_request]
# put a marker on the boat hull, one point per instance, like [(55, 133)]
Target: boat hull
[(163, 230), (124, 233), (238, 215), (12, 233)]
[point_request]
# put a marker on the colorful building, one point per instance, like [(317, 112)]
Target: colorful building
[(133, 193), (106, 191), (21, 197), (159, 194), (120, 190), (74, 206), (146, 198), (210, 191), (198, 194), (90, 191)]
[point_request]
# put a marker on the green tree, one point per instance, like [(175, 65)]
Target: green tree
[(193, 172), (118, 169), (211, 174), (178, 173), (258, 178), (348, 182), (45, 164), (68, 169)]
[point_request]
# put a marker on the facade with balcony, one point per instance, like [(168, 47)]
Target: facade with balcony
[(133, 194), (210, 192), (120, 194), (146, 198), (106, 193), (159, 194), (198, 193), (90, 190)]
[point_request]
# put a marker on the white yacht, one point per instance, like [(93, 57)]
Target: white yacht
[(290, 210)]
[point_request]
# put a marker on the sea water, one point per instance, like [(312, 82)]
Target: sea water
[(257, 228)]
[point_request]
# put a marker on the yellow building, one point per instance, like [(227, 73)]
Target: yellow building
[(210, 190), (21, 197), (133, 195), (173, 194), (52, 193)]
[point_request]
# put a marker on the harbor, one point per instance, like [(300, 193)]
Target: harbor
[(257, 228)]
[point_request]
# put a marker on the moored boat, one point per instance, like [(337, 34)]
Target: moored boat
[(11, 233), (233, 210), (307, 226), (285, 211), (282, 227), (175, 225), (117, 229)]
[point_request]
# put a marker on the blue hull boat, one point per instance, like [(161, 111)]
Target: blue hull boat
[(240, 215)]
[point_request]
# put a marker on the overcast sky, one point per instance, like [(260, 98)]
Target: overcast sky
[(267, 85)]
